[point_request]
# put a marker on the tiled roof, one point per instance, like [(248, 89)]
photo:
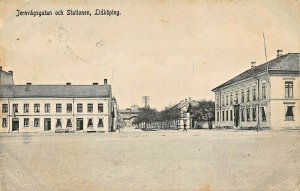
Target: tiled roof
[(60, 91), (182, 104), (287, 62)]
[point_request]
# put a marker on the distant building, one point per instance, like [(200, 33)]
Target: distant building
[(183, 105), (265, 96), (6, 78), (129, 114), (38, 108)]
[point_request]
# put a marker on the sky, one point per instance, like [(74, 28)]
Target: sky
[(167, 50)]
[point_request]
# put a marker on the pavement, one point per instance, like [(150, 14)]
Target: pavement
[(151, 160)]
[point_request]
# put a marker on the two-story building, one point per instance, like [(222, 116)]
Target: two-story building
[(185, 118), (265, 96), (38, 108)]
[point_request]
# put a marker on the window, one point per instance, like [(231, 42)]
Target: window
[(248, 94), (79, 107), (223, 116), (288, 89), (226, 115), (26, 122), (289, 115), (58, 123), (231, 115), (4, 108), (223, 100), (226, 99), (58, 108), (69, 123), (231, 98), (15, 108), (47, 107), (90, 107), (90, 123), (100, 107), (253, 113), (217, 101), (243, 98), (248, 114), (263, 114), (36, 108), (69, 107), (242, 115), (26, 108), (254, 93), (236, 97), (4, 122), (263, 90), (36, 122), (100, 123), (218, 116)]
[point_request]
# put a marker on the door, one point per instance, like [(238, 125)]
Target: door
[(79, 122), (236, 115), (47, 124), (15, 124)]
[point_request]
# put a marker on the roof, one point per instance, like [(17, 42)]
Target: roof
[(55, 91), (183, 103), (288, 62)]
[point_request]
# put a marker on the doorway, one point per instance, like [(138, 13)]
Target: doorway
[(79, 122), (236, 115), (47, 124), (15, 124)]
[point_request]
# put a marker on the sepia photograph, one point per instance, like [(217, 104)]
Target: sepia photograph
[(155, 95)]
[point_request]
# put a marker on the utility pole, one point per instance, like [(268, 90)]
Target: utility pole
[(265, 47)]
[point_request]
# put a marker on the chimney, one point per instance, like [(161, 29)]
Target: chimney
[(68, 83), (105, 81), (96, 83), (279, 53), (10, 72), (28, 84), (253, 65)]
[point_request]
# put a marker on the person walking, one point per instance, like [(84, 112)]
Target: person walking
[(184, 128)]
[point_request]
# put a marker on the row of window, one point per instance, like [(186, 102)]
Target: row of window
[(58, 124), (228, 98), (289, 114), (37, 108), (229, 115)]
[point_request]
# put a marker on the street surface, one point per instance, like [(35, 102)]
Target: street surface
[(159, 160)]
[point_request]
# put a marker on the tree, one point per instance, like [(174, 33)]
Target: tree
[(146, 117), (203, 111), (169, 116)]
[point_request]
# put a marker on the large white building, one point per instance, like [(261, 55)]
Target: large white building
[(265, 96), (38, 108)]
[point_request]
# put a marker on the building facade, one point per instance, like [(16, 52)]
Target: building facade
[(6, 78), (129, 114), (265, 96), (39, 108), (185, 118)]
